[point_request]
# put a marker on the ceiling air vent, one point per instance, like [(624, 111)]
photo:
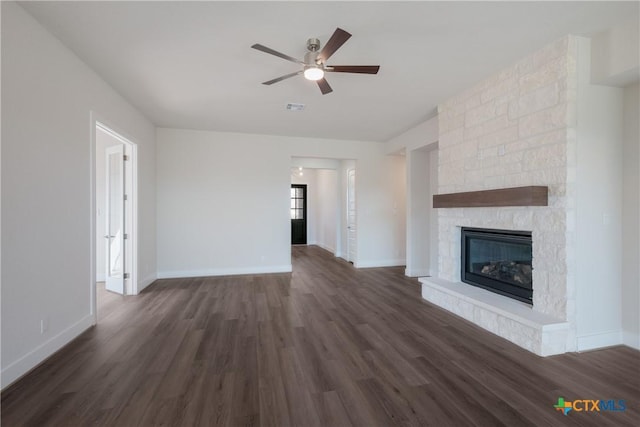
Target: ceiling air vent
[(295, 107)]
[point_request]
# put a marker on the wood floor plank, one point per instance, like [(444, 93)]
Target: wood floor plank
[(274, 407), (325, 345), (331, 410), (411, 375), (297, 388)]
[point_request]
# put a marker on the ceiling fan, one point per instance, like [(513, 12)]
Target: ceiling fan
[(314, 65)]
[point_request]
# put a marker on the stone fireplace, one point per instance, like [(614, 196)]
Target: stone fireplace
[(514, 129)]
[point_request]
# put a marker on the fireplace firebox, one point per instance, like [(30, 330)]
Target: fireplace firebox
[(499, 261)]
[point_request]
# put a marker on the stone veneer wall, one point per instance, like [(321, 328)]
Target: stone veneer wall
[(516, 128)]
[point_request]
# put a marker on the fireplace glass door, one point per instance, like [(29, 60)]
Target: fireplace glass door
[(499, 261)]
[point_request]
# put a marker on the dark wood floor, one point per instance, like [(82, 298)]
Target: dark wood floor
[(326, 345), (107, 301)]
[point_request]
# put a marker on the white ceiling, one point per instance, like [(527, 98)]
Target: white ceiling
[(190, 65)]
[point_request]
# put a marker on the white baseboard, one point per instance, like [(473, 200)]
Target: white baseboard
[(176, 274), (326, 248), (381, 263), (599, 340), (24, 364), (417, 272), (101, 277), (146, 282), (631, 340)]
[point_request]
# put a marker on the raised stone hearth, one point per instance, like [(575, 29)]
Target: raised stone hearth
[(513, 320)]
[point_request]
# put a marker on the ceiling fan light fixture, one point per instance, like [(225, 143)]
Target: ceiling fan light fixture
[(313, 72), (315, 65)]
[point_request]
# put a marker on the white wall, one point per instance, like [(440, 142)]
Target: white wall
[(615, 60), (398, 188), (631, 219), (315, 163), (420, 145), (419, 206), (381, 212), (103, 140), (48, 95), (424, 134), (223, 201), (223, 204), (615, 54), (422, 219), (328, 209), (598, 250), (433, 217)]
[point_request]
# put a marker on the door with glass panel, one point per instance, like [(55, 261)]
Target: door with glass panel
[(298, 214)]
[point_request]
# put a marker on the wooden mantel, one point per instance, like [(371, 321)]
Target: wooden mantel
[(516, 196)]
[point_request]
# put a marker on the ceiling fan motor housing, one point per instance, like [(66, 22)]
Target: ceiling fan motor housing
[(310, 58), (313, 45)]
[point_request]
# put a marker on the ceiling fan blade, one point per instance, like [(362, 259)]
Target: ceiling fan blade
[(361, 69), (338, 38), (324, 86), (281, 78), (276, 53)]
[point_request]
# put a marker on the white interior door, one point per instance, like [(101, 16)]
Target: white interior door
[(115, 219), (351, 215)]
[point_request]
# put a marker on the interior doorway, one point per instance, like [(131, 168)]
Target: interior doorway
[(326, 183), (115, 201)]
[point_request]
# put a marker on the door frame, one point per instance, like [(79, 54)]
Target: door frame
[(131, 168), (351, 194)]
